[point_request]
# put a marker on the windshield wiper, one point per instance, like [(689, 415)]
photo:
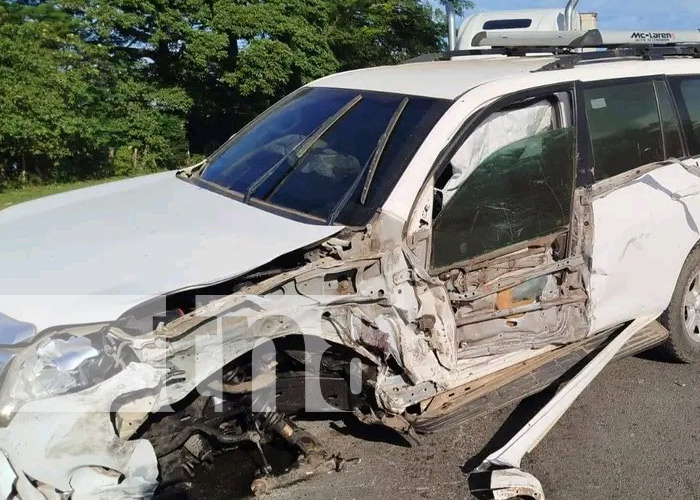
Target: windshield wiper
[(301, 149), (381, 146), (260, 180), (372, 163)]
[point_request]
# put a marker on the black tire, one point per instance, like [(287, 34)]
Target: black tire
[(681, 344)]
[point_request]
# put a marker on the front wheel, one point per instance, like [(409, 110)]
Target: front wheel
[(682, 318)]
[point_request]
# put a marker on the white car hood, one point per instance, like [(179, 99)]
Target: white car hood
[(89, 255)]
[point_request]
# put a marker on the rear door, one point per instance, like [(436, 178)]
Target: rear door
[(645, 204)]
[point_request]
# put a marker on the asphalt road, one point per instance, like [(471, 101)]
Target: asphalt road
[(633, 434)]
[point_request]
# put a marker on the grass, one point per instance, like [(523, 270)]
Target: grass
[(11, 197)]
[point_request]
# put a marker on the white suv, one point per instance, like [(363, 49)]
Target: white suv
[(459, 233)]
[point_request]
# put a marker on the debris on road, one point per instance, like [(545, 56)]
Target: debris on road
[(507, 480)]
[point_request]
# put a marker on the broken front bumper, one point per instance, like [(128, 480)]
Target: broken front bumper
[(68, 446)]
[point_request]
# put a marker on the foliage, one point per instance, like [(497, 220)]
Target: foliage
[(30, 192), (117, 87), (367, 33)]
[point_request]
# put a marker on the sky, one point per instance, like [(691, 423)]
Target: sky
[(619, 14)]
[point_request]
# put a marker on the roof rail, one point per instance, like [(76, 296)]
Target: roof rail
[(573, 47), (584, 39), (567, 61)]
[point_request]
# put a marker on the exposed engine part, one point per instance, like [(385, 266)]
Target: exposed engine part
[(200, 448), (305, 468), (285, 428), (313, 459), (188, 441), (227, 439)]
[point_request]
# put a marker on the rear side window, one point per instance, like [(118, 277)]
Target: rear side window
[(671, 123), (688, 97), (624, 126)]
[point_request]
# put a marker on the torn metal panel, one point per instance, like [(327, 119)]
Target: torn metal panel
[(529, 298), (479, 397), (396, 395), (642, 234), (508, 282)]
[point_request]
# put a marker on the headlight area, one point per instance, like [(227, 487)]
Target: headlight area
[(63, 362)]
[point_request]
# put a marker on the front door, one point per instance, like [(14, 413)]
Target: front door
[(500, 229)]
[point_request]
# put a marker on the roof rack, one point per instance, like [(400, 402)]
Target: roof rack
[(572, 47), (584, 39), (567, 61)]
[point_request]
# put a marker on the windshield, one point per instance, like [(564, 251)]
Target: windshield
[(330, 154)]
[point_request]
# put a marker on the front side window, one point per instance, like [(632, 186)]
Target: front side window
[(687, 92), (624, 126), (517, 191), (331, 154)]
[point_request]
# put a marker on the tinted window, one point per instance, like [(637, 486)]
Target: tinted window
[(670, 121), (506, 24), (519, 192), (311, 153), (624, 125), (688, 93)]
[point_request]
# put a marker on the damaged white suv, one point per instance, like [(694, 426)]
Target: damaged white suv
[(422, 243)]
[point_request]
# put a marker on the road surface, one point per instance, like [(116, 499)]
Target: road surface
[(633, 434)]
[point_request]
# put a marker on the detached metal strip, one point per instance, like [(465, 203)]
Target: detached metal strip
[(511, 455)]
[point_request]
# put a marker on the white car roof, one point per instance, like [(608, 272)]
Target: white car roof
[(440, 79), (451, 79)]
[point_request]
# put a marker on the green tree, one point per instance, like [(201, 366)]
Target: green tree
[(66, 107), (234, 58), (40, 84), (366, 33), (92, 88)]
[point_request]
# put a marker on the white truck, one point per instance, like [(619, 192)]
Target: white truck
[(518, 21)]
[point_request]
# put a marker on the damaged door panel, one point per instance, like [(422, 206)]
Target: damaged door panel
[(642, 233), (525, 299), (644, 203)]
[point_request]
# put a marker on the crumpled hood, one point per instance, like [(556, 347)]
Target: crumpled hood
[(89, 255)]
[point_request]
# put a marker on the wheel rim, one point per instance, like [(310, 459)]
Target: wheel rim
[(691, 308)]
